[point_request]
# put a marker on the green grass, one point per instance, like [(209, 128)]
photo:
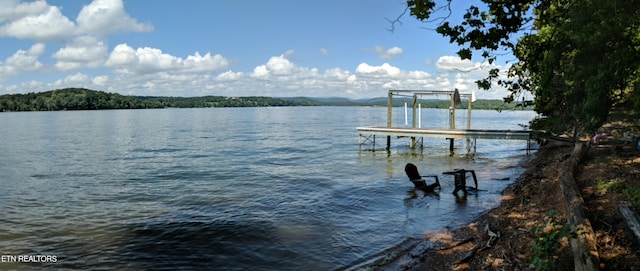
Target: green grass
[(630, 193)]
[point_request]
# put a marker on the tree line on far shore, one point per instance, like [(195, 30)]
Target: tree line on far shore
[(85, 99)]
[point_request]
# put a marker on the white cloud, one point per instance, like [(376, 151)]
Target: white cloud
[(351, 78), (31, 86), (147, 60), (385, 70), (390, 53), (280, 66), (13, 9), (323, 51), (455, 63), (229, 76), (22, 61), (85, 51), (122, 55), (276, 66), (107, 16), (418, 75), (100, 80), (48, 25), (149, 71), (42, 22), (337, 73), (76, 78), (260, 72), (197, 63), (152, 59)]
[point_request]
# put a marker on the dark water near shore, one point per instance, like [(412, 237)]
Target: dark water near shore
[(228, 188)]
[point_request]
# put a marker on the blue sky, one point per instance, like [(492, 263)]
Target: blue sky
[(278, 48)]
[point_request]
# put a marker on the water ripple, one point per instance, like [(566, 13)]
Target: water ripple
[(220, 189)]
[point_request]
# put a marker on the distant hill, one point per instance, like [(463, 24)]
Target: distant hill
[(86, 99)]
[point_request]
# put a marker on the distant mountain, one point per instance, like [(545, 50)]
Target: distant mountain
[(320, 100)]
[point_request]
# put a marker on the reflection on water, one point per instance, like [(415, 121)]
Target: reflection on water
[(225, 189)]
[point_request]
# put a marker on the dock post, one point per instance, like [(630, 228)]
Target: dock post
[(406, 119), (452, 120), (414, 120), (451, 141), (451, 144), (419, 115), (390, 109), (469, 115), (388, 142), (389, 116), (452, 113), (414, 102)]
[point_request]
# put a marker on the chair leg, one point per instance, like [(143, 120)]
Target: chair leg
[(460, 182)]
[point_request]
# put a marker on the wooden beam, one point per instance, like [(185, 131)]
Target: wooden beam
[(389, 109), (585, 253), (632, 219), (447, 133)]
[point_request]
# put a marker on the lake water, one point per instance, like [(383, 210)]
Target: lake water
[(284, 188)]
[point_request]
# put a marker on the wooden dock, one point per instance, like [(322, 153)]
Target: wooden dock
[(416, 133), (446, 133), (368, 134)]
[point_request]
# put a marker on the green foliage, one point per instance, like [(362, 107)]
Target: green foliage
[(487, 29), (70, 99), (630, 193), (617, 187), (421, 9), (547, 243), (635, 99), (601, 185), (579, 58), (84, 99)]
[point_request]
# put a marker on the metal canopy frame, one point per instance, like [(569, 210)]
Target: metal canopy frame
[(414, 94)]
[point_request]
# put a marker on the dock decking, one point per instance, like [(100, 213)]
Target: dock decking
[(446, 133), (369, 133)]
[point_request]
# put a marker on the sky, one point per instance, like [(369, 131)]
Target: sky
[(275, 48)]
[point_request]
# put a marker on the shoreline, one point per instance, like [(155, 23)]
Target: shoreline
[(452, 249), (522, 205), (455, 249), (503, 238), (415, 253)]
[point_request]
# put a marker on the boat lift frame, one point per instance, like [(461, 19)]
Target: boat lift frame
[(416, 133)]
